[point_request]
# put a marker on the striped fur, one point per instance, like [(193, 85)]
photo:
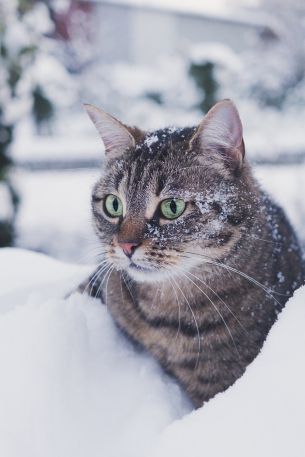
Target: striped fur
[(205, 288)]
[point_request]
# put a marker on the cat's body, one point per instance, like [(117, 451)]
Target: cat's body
[(199, 290)]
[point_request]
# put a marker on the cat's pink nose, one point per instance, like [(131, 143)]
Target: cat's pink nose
[(129, 248)]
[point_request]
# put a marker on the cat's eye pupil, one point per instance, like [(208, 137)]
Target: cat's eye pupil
[(173, 206), (115, 204)]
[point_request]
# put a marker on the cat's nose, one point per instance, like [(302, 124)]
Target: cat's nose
[(129, 248)]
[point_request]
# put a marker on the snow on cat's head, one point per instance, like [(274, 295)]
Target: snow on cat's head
[(172, 199)]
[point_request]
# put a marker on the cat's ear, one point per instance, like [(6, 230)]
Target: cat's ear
[(221, 132), (116, 136)]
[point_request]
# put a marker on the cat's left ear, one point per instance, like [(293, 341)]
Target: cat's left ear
[(221, 133), (117, 137)]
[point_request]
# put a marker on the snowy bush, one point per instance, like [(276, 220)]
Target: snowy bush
[(26, 58)]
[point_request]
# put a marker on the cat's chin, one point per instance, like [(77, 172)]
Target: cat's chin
[(143, 274)]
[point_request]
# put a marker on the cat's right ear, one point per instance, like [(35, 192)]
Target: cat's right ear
[(220, 134), (115, 135)]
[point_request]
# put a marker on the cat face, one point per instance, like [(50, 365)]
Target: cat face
[(171, 199)]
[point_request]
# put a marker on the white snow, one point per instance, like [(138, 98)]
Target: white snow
[(263, 413), (54, 214), (72, 386), (150, 140), (286, 185), (60, 148)]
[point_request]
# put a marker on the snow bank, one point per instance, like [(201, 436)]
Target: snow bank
[(263, 413), (72, 386)]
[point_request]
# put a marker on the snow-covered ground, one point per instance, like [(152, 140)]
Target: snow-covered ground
[(263, 413), (72, 386)]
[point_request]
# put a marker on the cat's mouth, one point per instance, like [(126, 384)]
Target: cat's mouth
[(137, 267), (144, 273)]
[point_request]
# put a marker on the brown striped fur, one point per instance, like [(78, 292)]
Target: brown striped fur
[(200, 292)]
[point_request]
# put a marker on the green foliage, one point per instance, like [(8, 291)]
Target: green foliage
[(42, 108), (203, 74), (6, 133), (7, 233), (155, 97), (6, 226), (25, 5)]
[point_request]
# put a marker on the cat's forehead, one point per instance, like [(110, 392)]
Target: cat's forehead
[(160, 163), (143, 182), (161, 142)]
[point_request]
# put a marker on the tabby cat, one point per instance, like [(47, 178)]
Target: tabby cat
[(197, 260)]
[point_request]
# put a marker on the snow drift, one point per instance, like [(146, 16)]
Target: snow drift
[(71, 385)]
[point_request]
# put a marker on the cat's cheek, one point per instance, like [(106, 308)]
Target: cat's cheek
[(107, 231)]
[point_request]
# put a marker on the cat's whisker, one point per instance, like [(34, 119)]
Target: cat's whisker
[(92, 256), (110, 267), (121, 286), (269, 291), (217, 310), (179, 307), (92, 278), (102, 266), (220, 299), (102, 270), (106, 287), (155, 296), (195, 321), (129, 290)]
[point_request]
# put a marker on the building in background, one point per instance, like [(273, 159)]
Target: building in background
[(132, 32)]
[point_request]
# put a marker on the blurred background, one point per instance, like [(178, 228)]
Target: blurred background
[(151, 63)]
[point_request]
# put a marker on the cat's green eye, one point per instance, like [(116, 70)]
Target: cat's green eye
[(172, 208), (113, 206)]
